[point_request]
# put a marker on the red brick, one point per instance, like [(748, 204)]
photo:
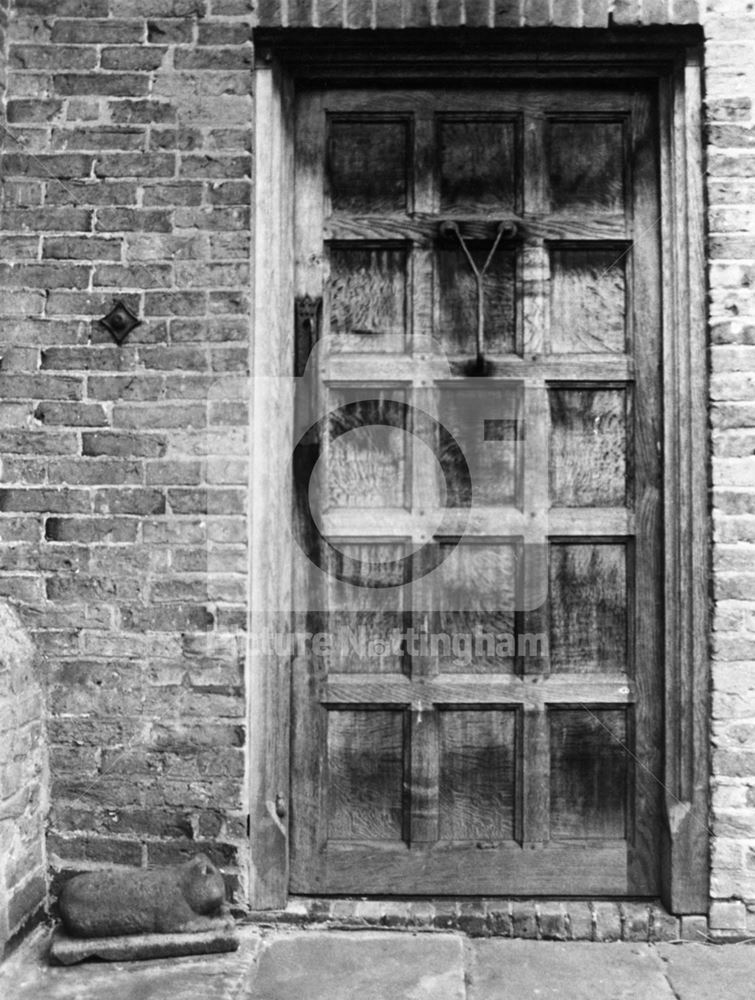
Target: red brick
[(223, 33), (167, 618), (506, 13), (158, 8), (104, 84), (626, 12), (64, 165), (123, 444), (97, 193), (135, 58), (27, 442), (128, 112), (98, 139), (270, 12), (97, 32), (536, 13), (52, 57), (685, 12), (128, 501), (478, 13), (80, 248), (64, 8), (44, 276), (595, 13), (88, 471), (135, 165), (133, 220), (238, 57), (448, 13), (88, 530), (136, 277), (175, 304), (73, 414), (166, 32), (25, 110), (45, 500), (18, 386)]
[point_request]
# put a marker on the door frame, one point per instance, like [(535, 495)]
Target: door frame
[(673, 59)]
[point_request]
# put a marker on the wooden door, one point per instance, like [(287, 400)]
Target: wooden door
[(470, 474)]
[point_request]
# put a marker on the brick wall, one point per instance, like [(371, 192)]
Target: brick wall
[(23, 783), (124, 485), (123, 497)]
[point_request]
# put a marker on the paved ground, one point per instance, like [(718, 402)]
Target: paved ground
[(385, 965)]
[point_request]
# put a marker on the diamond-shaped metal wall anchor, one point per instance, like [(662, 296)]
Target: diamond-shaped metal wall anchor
[(119, 322)]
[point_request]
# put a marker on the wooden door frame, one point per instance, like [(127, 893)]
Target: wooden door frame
[(287, 57)]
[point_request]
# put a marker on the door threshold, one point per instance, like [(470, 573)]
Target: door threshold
[(540, 919)]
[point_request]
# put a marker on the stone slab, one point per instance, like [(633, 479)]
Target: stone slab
[(67, 950), (27, 975), (702, 971), (366, 965), (573, 970)]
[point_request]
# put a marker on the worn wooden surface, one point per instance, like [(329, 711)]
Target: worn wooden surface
[(455, 768)]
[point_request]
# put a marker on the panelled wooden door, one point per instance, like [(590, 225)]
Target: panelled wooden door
[(478, 472)]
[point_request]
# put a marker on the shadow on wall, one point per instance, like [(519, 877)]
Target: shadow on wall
[(23, 784)]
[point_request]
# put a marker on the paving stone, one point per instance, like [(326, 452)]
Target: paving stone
[(336, 965), (28, 976), (573, 970), (700, 971)]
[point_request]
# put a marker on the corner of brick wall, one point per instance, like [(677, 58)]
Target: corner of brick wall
[(23, 783), (730, 163), (124, 487)]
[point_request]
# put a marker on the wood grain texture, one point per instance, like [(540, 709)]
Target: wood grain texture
[(478, 165), (461, 868), (476, 591), (365, 614), (588, 608), (588, 450), (588, 301), (569, 330), (585, 164), (457, 300), (367, 165), (589, 773), (365, 460), (477, 775), (366, 297), (365, 775)]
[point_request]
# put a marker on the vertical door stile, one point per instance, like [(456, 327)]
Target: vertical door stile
[(424, 780), (532, 619), (309, 722), (646, 560)]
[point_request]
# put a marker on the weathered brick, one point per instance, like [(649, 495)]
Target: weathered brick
[(132, 58), (157, 8), (97, 32), (106, 84), (88, 530), (128, 501), (52, 57), (80, 248), (221, 58), (129, 112), (71, 414), (169, 31), (167, 618), (135, 165)]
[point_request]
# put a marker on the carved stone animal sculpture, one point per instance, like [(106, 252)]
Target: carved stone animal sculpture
[(182, 899)]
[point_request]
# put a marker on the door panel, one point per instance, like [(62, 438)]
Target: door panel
[(483, 713)]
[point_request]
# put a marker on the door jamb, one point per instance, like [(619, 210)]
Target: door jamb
[(675, 62)]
